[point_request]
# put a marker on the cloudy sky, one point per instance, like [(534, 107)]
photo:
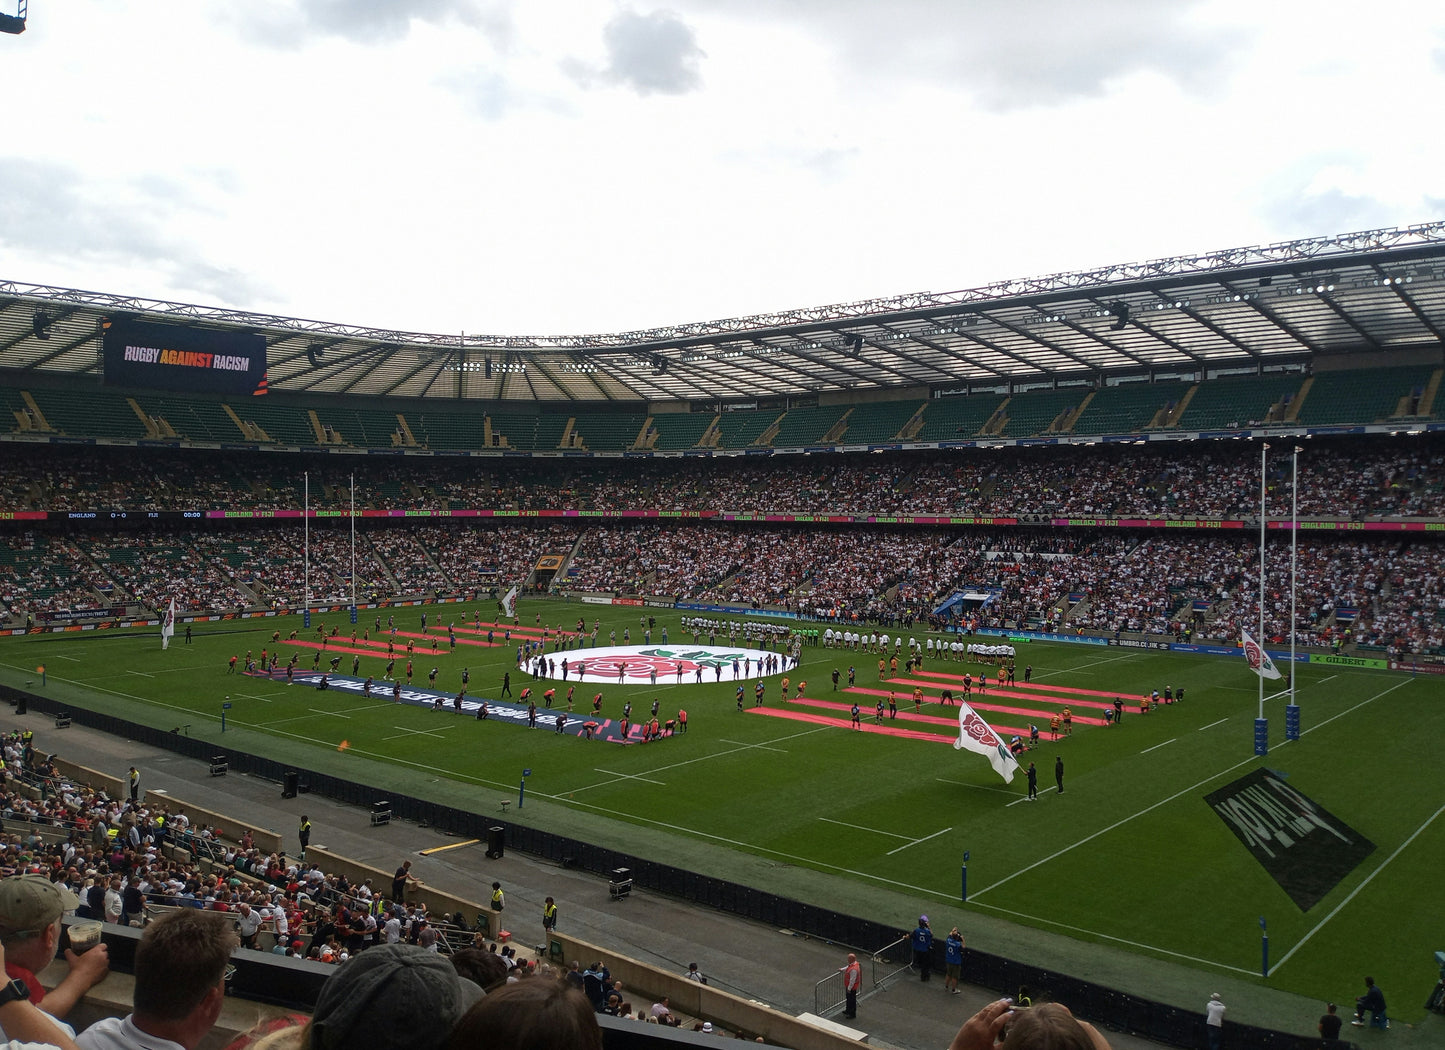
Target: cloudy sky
[(578, 166)]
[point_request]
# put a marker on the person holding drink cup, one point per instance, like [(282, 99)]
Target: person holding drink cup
[(31, 907)]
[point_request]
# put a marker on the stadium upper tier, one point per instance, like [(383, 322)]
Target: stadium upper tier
[(1395, 398), (1346, 478), (1372, 296)]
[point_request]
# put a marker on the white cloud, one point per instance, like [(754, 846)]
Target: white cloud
[(655, 53), (445, 166), (51, 212), (291, 25), (1009, 55)]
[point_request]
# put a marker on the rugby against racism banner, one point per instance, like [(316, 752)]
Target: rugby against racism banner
[(1259, 661), (976, 735), (171, 357)]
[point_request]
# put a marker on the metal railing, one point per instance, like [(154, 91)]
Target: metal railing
[(880, 968)]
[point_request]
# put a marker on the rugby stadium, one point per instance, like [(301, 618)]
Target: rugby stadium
[(454, 570)]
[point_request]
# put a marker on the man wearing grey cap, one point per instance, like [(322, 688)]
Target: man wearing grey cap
[(391, 997), (30, 911)]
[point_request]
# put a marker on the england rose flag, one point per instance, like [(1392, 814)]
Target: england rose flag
[(168, 625), (976, 735), (509, 602), (1259, 661)]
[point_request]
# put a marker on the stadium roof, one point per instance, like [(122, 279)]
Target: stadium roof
[(1361, 294)]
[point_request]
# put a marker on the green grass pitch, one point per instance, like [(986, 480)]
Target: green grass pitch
[(1129, 855)]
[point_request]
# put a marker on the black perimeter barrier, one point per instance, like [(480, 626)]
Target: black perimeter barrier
[(1108, 1007)]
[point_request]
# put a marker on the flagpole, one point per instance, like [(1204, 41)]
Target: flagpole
[(1261, 724)]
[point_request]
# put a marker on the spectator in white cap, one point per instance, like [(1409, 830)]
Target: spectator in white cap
[(30, 911)]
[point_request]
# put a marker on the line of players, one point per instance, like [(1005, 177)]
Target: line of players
[(952, 649)]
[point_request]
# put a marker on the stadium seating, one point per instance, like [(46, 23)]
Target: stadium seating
[(284, 423), (1232, 402), (90, 413), (879, 421), (606, 432), (440, 429), (17, 413), (519, 429), (363, 427), (957, 418), (192, 418), (253, 567), (1237, 401), (1128, 408), (739, 430), (807, 426), (1037, 411), (680, 430), (1363, 395)]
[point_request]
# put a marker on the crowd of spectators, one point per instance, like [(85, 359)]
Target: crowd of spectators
[(1351, 590), (128, 861), (152, 567), (1379, 591), (40, 572), (196, 890), (1355, 478)]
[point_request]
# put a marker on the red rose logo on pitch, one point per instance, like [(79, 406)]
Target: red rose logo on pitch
[(637, 666)]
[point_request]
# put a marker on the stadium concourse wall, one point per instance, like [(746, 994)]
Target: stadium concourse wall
[(1111, 1007)]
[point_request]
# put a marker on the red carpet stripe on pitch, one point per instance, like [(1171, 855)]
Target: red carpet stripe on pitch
[(977, 705), (524, 634), (847, 723), (1072, 691), (1006, 693), (904, 716), (379, 650)]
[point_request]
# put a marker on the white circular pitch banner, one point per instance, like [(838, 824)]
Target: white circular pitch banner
[(659, 664)]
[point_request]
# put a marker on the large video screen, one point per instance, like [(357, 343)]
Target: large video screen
[(169, 357)]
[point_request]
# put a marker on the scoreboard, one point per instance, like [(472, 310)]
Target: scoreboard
[(173, 357)]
